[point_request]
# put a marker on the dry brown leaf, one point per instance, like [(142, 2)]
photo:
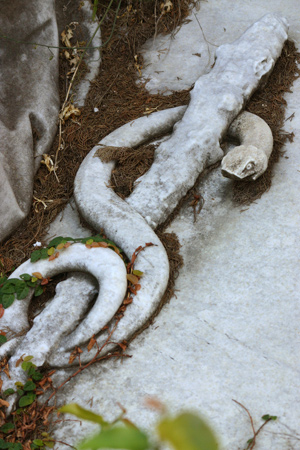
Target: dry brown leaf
[(66, 36), (48, 162), (38, 275), (69, 110), (91, 343), (20, 360), (132, 278), (4, 403), (52, 257)]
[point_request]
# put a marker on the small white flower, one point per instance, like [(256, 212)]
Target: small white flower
[(96, 109), (37, 244)]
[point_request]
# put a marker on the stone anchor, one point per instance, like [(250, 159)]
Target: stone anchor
[(216, 101)]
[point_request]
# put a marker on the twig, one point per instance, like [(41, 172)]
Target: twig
[(207, 42), (251, 421), (64, 443), (93, 360)]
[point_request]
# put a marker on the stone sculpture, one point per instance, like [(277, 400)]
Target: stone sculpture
[(216, 100), (250, 159), (29, 97), (29, 102)]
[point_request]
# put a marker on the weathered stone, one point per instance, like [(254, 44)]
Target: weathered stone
[(29, 102), (250, 159)]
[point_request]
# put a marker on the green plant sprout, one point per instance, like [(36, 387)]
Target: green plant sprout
[(186, 431)]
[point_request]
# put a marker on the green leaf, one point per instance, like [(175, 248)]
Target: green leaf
[(51, 250), (268, 417), (22, 291), (8, 288), (7, 300), (84, 414), (38, 442), (118, 437), (8, 392), (56, 241), (2, 280), (20, 392), (29, 386), (16, 446), (35, 255), (38, 291), (29, 367), (250, 441), (99, 238), (28, 358), (10, 445), (27, 400), (19, 384), (44, 253), (14, 281), (25, 276), (187, 431), (90, 241), (7, 427), (49, 444), (37, 376), (31, 284), (138, 273), (3, 339), (26, 365), (31, 371)]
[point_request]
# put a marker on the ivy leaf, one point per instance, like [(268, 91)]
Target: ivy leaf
[(268, 417), (8, 288), (37, 376), (132, 278), (7, 300), (29, 386), (187, 431), (49, 444), (27, 399), (44, 253), (35, 255), (37, 275), (2, 280), (138, 273), (25, 276), (3, 339), (38, 291), (27, 365), (82, 413), (58, 240), (8, 392), (7, 427), (38, 442), (22, 291), (118, 437)]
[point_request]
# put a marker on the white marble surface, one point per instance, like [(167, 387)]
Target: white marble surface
[(232, 330)]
